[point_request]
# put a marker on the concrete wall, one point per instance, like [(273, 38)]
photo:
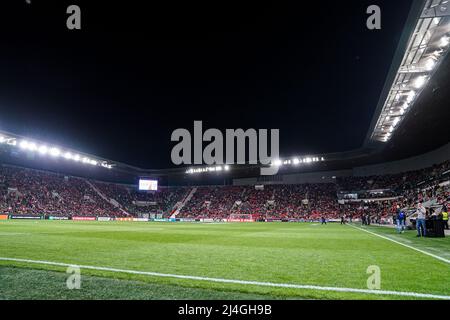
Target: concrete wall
[(415, 163), (297, 178)]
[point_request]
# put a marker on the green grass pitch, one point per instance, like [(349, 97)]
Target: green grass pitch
[(284, 253)]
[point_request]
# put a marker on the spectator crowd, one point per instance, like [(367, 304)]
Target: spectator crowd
[(27, 191)]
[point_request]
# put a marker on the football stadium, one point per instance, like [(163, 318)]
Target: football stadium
[(93, 205)]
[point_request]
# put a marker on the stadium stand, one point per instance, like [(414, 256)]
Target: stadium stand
[(161, 202), (29, 191), (26, 191)]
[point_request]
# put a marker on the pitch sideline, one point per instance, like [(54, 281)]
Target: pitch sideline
[(402, 244), (244, 282)]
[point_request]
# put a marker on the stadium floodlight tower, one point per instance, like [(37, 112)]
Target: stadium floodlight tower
[(424, 45)]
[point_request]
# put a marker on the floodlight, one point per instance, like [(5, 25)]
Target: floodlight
[(108, 166), (43, 149), (419, 82), (429, 65), (68, 155), (410, 97), (55, 152), (296, 161), (278, 163), (32, 146), (227, 167), (444, 41), (76, 157), (23, 144)]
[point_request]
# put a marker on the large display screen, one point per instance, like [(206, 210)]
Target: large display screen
[(148, 185)]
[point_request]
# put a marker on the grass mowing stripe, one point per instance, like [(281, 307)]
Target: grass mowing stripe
[(402, 244), (244, 282)]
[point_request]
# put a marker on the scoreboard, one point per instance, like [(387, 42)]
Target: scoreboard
[(148, 184)]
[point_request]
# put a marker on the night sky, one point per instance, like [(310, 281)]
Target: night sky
[(121, 85)]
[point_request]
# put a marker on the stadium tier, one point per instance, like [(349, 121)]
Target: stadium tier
[(31, 192)]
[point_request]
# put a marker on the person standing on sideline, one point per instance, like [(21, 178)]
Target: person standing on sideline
[(445, 217), (324, 221), (401, 217), (342, 219), (420, 221)]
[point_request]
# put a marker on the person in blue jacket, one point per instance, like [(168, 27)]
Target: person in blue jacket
[(401, 221)]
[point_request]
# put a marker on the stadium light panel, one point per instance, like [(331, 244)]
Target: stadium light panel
[(68, 155), (104, 164), (32, 146), (278, 163), (429, 65), (43, 149), (55, 152), (23, 144), (410, 97), (227, 167), (420, 82), (428, 44), (296, 161)]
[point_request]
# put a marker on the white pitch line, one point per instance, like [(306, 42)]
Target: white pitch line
[(402, 244), (245, 282)]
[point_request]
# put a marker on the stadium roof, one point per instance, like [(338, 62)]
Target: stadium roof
[(422, 48)]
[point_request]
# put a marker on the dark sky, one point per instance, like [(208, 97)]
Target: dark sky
[(121, 85)]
